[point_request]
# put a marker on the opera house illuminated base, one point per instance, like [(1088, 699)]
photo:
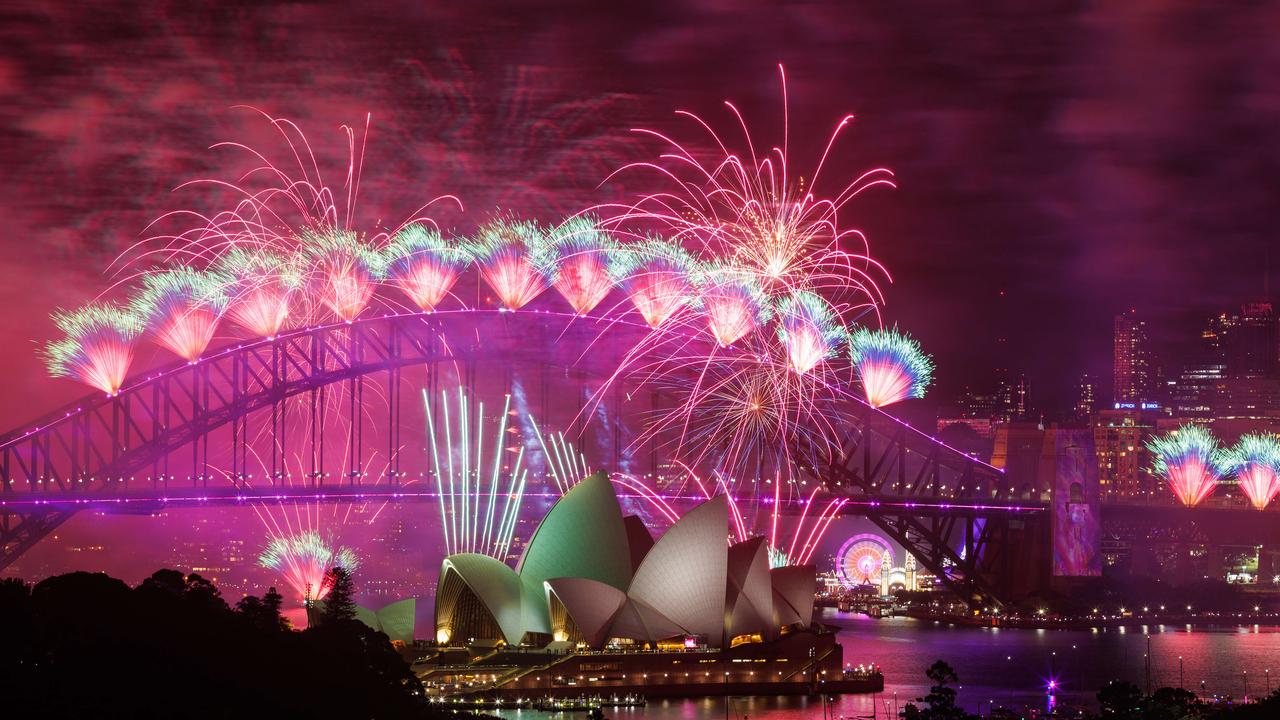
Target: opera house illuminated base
[(595, 604)]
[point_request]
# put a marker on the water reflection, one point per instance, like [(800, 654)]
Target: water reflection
[(1008, 667)]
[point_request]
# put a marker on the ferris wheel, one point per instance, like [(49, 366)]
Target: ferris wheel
[(861, 558)]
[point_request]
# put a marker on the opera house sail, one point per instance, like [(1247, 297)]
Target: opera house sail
[(591, 577)]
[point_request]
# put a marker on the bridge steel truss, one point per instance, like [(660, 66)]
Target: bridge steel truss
[(955, 514), (102, 449), (96, 448)]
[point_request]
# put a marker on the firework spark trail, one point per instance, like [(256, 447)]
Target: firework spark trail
[(261, 285), (769, 237), (564, 464), (655, 274), (181, 308), (1185, 458), (809, 329), (470, 518), (890, 365), (424, 265), (514, 260), (647, 494), (1255, 461), (807, 533), (581, 254), (306, 560), (98, 347)]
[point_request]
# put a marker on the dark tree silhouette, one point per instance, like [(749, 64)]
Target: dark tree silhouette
[(340, 603), (1120, 700), (87, 645), (940, 703)]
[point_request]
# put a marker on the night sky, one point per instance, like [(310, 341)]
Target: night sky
[(1057, 162)]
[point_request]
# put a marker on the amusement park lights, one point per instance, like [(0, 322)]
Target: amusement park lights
[(581, 254), (890, 365), (306, 561), (1255, 461), (98, 346), (180, 308), (1185, 458), (514, 259), (425, 265)]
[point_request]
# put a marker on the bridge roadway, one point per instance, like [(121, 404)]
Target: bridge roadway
[(162, 498)]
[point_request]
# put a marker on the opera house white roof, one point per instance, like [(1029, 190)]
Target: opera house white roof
[(575, 581)]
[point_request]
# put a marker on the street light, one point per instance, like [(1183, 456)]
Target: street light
[(1179, 672)]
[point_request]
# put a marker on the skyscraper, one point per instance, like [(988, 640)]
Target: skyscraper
[(1132, 361), (1086, 396), (1250, 341)]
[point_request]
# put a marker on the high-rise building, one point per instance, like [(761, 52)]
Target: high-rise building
[(1086, 396), (1249, 342), (1132, 360), (1119, 437)]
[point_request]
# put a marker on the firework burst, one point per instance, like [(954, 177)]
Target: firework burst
[(424, 265), (1255, 461), (733, 303), (751, 209), (1186, 459), (345, 270), (809, 329), (514, 260), (181, 308), (655, 273), (580, 257), (890, 365), (98, 346), (261, 285), (306, 561)]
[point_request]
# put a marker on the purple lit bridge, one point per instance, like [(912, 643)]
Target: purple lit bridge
[(253, 422)]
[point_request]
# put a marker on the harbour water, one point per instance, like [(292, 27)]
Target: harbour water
[(1008, 667)]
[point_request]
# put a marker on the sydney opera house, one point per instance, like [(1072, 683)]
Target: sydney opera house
[(596, 605), (591, 577)]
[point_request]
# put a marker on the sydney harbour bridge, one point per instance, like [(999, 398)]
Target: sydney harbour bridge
[(240, 426), (218, 431)]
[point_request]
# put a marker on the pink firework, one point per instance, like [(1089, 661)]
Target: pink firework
[(581, 255), (655, 273), (810, 329), (1186, 458), (745, 204), (261, 285), (733, 304), (425, 266), (97, 348), (514, 260), (346, 271), (306, 561), (1255, 461), (181, 308), (890, 365)]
